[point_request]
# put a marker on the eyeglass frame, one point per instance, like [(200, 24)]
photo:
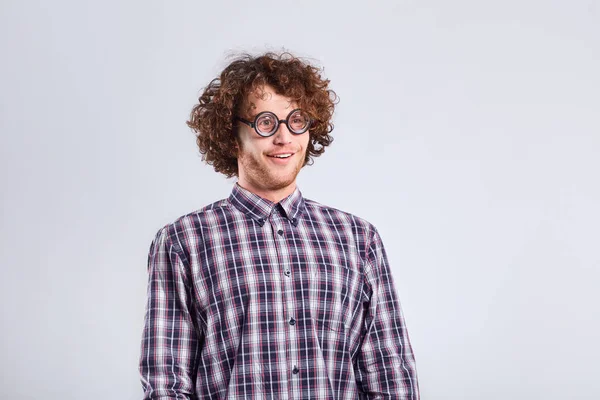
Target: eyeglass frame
[(252, 124)]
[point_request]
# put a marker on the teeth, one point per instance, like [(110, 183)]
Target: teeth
[(282, 156)]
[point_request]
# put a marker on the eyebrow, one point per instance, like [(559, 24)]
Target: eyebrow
[(252, 116)]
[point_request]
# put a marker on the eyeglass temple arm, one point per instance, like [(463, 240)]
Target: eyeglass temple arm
[(245, 121)]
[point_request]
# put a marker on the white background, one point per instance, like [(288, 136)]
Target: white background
[(468, 132)]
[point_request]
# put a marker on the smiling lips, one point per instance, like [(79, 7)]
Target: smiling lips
[(281, 155)]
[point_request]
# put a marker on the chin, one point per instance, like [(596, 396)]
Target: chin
[(280, 182)]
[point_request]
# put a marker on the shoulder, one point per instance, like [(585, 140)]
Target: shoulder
[(340, 218), (188, 227)]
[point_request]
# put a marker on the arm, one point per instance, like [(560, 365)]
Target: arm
[(385, 364), (170, 338)]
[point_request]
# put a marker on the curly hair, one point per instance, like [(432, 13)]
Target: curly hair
[(213, 117)]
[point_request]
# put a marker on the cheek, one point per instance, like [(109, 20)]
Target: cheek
[(245, 147), (305, 146), (304, 140), (253, 151)]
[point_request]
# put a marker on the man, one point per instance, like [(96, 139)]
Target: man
[(266, 294)]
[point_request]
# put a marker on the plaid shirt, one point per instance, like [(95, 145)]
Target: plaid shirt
[(248, 299)]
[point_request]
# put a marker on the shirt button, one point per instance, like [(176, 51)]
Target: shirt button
[(294, 221), (292, 321), (280, 232), (287, 272), (295, 370)]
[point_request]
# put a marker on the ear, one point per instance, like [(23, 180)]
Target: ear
[(236, 147)]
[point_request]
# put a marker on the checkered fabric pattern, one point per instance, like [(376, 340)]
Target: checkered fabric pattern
[(248, 299)]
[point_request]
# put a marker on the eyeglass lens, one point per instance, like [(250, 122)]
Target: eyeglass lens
[(268, 123)]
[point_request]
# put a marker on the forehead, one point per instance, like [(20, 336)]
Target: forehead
[(266, 99)]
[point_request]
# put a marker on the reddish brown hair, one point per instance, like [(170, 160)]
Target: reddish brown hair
[(213, 117)]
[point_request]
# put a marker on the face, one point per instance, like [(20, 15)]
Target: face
[(268, 166)]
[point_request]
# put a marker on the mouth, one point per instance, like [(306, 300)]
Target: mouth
[(281, 156), (281, 159)]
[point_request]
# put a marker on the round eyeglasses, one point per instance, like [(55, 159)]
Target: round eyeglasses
[(266, 123)]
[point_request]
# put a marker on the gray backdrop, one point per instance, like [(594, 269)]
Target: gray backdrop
[(468, 132)]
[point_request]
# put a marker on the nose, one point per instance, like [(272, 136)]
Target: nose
[(282, 135)]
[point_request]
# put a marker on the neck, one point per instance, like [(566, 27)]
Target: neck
[(274, 195)]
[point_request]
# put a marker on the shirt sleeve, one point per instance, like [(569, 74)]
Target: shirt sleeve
[(170, 338), (385, 365)]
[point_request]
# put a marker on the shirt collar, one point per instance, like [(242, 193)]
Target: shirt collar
[(259, 209)]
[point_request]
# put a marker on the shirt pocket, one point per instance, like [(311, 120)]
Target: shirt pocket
[(333, 325), (334, 291)]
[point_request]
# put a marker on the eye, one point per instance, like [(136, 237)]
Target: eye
[(265, 123), (298, 120)]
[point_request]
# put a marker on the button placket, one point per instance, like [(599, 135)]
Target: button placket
[(278, 226)]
